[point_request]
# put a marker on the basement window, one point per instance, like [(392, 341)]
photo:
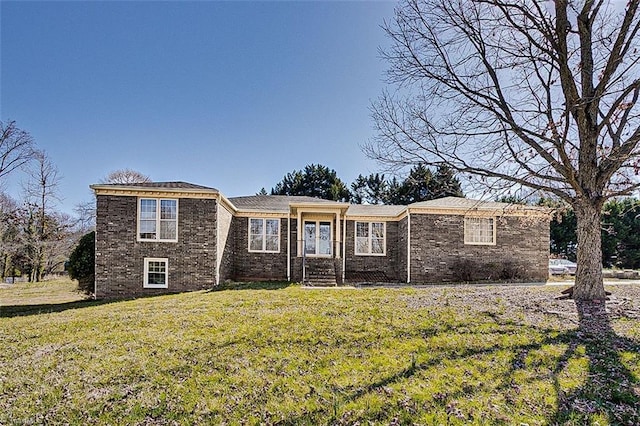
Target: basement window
[(156, 272)]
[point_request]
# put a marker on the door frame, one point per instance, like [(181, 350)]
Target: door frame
[(317, 223)]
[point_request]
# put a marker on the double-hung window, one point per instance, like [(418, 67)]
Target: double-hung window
[(370, 238), (156, 272), (480, 230), (157, 219), (264, 235)]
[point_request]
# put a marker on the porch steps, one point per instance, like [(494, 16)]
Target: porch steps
[(320, 272)]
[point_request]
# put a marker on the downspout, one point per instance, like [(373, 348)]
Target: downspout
[(217, 216), (95, 256), (289, 245), (408, 246), (344, 246)]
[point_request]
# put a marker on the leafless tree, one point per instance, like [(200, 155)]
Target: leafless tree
[(126, 176), (519, 93), (16, 148), (41, 193), (85, 216)]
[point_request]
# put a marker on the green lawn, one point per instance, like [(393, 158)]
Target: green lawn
[(279, 354)]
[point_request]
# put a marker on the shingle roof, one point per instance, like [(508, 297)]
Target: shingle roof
[(274, 203), (156, 185), (470, 204), (375, 210), (165, 185)]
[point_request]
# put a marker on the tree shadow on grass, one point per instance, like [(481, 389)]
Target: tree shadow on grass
[(9, 311), (610, 390)]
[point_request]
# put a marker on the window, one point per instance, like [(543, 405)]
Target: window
[(370, 238), (479, 230), (264, 235), (158, 220), (156, 273)]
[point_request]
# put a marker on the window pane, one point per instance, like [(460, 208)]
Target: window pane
[(256, 226), (272, 243), (156, 278), (147, 209), (324, 238), (362, 245), (168, 209), (377, 246), (147, 229), (168, 230), (310, 238), (256, 242), (272, 226), (377, 230), (157, 267), (362, 229)]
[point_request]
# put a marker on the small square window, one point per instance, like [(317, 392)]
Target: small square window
[(156, 272), (480, 230)]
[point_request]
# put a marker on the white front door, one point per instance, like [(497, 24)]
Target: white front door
[(317, 238)]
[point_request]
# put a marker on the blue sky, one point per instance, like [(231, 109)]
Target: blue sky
[(227, 94)]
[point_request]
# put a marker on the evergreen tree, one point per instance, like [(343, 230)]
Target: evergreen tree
[(314, 181), (621, 233), (371, 189), (418, 186), (395, 192), (445, 183), (81, 263), (422, 185)]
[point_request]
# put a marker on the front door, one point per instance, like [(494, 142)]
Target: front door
[(317, 238)]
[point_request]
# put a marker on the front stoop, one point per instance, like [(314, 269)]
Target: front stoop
[(321, 272)]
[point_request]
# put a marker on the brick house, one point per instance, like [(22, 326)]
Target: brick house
[(162, 237)]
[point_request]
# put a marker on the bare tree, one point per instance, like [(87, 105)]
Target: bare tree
[(16, 147), (126, 176), (85, 216), (519, 93), (41, 227)]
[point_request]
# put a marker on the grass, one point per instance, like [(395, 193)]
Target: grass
[(280, 354)]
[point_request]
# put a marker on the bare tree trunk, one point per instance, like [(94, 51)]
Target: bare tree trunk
[(5, 261), (589, 284)]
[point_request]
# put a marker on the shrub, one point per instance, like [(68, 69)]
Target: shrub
[(82, 263), (512, 270), (468, 270), (464, 270)]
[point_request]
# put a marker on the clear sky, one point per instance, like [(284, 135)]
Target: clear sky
[(231, 95)]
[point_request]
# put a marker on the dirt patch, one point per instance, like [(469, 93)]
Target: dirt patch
[(534, 304)]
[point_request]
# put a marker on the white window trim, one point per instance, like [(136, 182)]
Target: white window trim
[(369, 239), (475, 243), (158, 220), (146, 272), (264, 235)]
